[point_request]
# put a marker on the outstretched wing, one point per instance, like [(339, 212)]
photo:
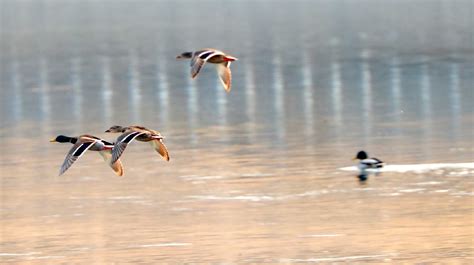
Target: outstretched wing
[(160, 147), (199, 59), (122, 142), (223, 69), (196, 65), (117, 166), (76, 151)]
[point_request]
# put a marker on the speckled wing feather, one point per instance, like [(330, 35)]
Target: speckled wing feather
[(76, 151), (122, 142), (196, 66), (225, 75)]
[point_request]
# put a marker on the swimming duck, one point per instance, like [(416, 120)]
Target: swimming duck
[(87, 142), (139, 133), (222, 61), (366, 162)]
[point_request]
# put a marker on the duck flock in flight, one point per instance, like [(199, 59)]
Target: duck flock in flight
[(111, 152)]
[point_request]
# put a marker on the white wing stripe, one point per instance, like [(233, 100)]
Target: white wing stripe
[(204, 53), (130, 137), (122, 142), (82, 148)]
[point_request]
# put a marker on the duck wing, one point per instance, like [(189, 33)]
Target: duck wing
[(196, 65), (117, 166), (160, 147), (223, 70), (199, 59), (122, 142), (76, 151)]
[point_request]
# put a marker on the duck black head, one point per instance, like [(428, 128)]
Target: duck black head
[(64, 139), (361, 155)]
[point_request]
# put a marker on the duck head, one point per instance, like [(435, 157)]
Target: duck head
[(63, 139), (185, 55), (361, 155), (115, 129)]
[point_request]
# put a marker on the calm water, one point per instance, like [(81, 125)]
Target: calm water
[(254, 174)]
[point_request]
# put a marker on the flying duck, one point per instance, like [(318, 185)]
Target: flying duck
[(87, 142), (219, 58), (139, 133)]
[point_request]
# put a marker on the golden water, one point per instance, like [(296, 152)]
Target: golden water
[(254, 174)]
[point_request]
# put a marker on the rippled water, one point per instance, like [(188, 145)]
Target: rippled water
[(255, 175)]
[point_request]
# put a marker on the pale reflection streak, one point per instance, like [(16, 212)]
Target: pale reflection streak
[(425, 89), (395, 85), (76, 81), (366, 94), (163, 90), (425, 92), (44, 92), (279, 98), (192, 109), (106, 89), (250, 99), (336, 93), (308, 101), (134, 90), (396, 94), (16, 78), (221, 102), (455, 97)]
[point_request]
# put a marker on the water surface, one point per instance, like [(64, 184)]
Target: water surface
[(254, 174)]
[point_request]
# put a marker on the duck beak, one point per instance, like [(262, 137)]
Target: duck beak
[(354, 158), (53, 140)]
